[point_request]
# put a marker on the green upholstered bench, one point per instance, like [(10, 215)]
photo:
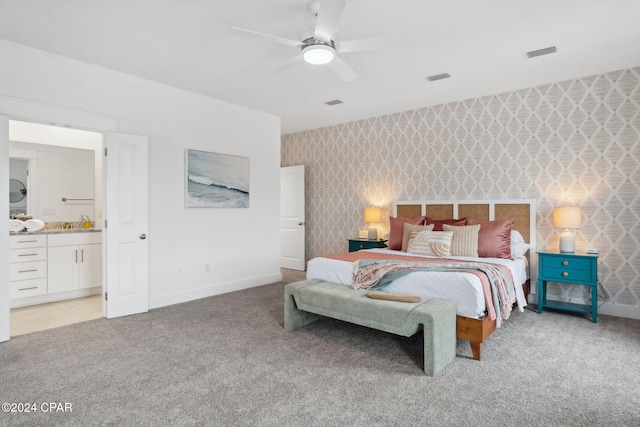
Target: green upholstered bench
[(304, 301)]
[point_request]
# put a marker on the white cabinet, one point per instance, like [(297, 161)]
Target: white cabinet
[(27, 265), (74, 261)]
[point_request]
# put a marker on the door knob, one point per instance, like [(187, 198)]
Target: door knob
[(143, 236)]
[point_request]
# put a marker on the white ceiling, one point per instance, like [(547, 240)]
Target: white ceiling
[(480, 43)]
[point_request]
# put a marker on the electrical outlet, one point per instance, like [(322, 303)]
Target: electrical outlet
[(179, 270), (207, 267)]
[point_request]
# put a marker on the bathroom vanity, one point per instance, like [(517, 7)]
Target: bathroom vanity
[(48, 266)]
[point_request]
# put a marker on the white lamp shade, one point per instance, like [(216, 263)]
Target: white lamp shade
[(318, 54), (373, 215), (567, 217)]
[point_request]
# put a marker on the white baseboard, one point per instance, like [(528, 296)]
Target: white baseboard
[(209, 291), (620, 310)]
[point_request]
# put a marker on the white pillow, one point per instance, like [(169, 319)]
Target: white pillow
[(432, 243), (516, 237), (518, 246)]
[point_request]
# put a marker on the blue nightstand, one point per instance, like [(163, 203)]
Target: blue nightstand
[(579, 269)]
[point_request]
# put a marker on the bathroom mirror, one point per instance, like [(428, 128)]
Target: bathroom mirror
[(17, 191)]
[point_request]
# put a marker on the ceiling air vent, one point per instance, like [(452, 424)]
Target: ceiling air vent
[(438, 77), (334, 102), (540, 52)]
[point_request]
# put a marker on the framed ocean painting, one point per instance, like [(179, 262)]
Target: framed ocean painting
[(216, 180)]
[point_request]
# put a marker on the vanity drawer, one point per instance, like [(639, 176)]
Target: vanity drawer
[(28, 288), (27, 241), (27, 270), (28, 254)]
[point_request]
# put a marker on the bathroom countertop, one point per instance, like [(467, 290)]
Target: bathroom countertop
[(58, 231)]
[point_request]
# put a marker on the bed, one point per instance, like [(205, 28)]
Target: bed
[(473, 322)]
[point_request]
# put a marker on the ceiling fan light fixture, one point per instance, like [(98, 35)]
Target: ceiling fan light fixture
[(318, 54)]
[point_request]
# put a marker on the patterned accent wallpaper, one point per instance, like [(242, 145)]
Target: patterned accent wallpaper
[(570, 143)]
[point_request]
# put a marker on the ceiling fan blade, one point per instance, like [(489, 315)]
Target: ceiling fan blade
[(285, 66), (370, 45), (328, 18), (262, 36), (342, 69)]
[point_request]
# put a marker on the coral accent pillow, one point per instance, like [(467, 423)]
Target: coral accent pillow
[(438, 223), (494, 238), (396, 230), (411, 229)]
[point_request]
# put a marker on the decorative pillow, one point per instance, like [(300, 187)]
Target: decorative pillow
[(494, 239), (465, 239), (518, 246), (433, 243), (438, 223), (410, 228), (396, 230)]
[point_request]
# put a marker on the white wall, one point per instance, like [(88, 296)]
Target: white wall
[(242, 245)]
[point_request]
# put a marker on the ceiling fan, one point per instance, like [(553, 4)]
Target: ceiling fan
[(318, 45)]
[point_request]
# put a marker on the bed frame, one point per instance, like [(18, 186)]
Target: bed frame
[(524, 213)]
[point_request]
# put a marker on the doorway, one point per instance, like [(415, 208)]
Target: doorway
[(61, 169), (126, 191), (292, 218)]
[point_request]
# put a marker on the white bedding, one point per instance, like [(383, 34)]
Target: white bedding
[(462, 288)]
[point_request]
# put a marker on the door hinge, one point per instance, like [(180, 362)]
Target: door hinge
[(105, 223), (105, 151), (106, 296)]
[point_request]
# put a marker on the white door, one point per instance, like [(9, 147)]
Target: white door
[(292, 222), (4, 236), (126, 225)]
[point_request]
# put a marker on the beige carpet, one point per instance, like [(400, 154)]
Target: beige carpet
[(227, 361)]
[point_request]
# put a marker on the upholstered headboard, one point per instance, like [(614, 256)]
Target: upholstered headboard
[(522, 210)]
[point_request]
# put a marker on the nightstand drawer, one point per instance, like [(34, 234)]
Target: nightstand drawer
[(566, 262), (357, 244), (567, 274)]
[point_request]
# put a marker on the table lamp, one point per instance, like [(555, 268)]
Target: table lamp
[(567, 218), (373, 216)]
